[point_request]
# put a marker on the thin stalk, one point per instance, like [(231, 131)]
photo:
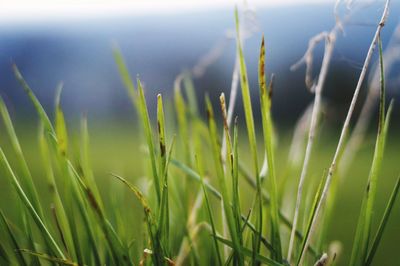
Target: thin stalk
[(345, 128), (330, 40), (265, 101), (248, 110)]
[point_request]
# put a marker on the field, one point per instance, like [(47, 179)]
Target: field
[(114, 148)]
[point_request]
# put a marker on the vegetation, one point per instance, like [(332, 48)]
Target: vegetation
[(205, 199)]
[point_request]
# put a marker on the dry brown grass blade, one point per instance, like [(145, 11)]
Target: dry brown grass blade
[(345, 128)]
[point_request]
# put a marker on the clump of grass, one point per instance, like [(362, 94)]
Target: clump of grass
[(194, 212)]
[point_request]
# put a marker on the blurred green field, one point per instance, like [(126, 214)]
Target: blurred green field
[(118, 149)]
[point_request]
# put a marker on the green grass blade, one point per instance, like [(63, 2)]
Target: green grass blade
[(62, 160), (60, 127), (232, 155), (85, 162), (382, 224), (165, 203), (216, 151), (21, 193), (59, 141), (163, 217), (247, 100), (191, 94), (161, 137), (245, 223), (181, 115), (317, 198), (26, 177), (75, 198), (124, 73), (5, 227), (268, 144), (363, 231), (42, 114), (59, 209), (235, 179), (228, 156), (144, 114), (210, 217), (248, 110)]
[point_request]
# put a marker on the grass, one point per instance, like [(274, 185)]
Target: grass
[(196, 195)]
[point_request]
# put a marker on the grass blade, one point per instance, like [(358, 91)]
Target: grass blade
[(216, 151), (60, 126), (313, 212), (247, 99), (85, 162), (210, 216), (42, 114), (361, 242), (382, 224), (181, 115), (268, 144), (59, 209), (21, 193), (124, 73), (191, 94), (26, 177), (5, 227), (144, 114), (232, 155), (244, 84), (163, 217)]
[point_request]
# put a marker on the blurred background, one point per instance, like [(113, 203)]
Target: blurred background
[(71, 42)]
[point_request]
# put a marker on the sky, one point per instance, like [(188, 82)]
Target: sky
[(39, 10)]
